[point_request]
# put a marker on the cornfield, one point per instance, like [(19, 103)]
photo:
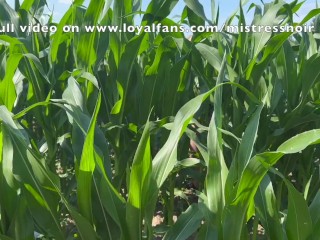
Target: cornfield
[(159, 135)]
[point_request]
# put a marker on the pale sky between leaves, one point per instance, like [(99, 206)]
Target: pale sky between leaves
[(227, 7)]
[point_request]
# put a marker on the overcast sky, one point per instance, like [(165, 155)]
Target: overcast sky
[(227, 7)]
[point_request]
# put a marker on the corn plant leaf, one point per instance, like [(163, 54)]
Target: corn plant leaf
[(268, 19), (287, 74), (300, 142), (27, 171), (87, 46), (74, 106), (314, 209), (139, 185), (85, 230), (310, 75), (216, 170), (272, 47), (113, 202), (210, 54), (244, 152), (315, 232), (299, 223), (165, 159), (8, 15), (197, 8), (266, 209), (7, 87), (59, 34), (187, 223), (234, 213), (22, 227), (124, 72), (159, 9), (87, 166)]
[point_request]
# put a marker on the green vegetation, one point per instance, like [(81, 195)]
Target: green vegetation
[(101, 132)]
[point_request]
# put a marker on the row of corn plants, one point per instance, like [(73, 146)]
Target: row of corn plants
[(100, 132)]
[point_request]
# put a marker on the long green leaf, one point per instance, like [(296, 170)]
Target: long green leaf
[(139, 185), (216, 170), (87, 166), (234, 213), (298, 224), (186, 225)]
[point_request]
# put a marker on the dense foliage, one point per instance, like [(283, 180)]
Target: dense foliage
[(102, 132)]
